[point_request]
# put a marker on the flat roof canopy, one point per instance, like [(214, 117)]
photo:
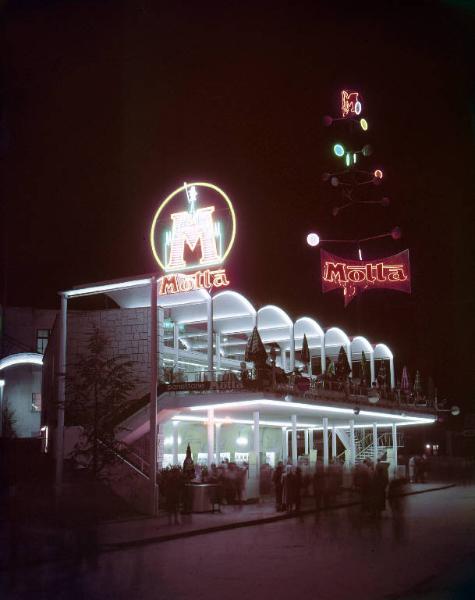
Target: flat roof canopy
[(274, 411)]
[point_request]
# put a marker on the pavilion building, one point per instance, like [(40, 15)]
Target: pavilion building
[(187, 350)]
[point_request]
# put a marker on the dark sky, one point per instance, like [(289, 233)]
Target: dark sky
[(109, 106)]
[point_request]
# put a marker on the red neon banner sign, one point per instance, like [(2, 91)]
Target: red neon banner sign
[(356, 276)]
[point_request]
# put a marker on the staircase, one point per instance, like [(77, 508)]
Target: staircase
[(365, 450)]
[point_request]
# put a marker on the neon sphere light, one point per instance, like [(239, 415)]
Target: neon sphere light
[(378, 174), (455, 411), (338, 150), (396, 233), (169, 198), (241, 441), (313, 239), (364, 124), (357, 107)]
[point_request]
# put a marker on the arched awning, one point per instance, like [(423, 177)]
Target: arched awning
[(274, 325), (22, 358), (313, 331)]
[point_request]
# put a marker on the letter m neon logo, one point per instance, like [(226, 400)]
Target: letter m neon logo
[(191, 228)]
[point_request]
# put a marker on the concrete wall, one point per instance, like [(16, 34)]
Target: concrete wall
[(20, 326), (127, 331)]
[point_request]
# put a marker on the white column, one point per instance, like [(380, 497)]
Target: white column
[(218, 349), (285, 445), (310, 362), (256, 445), (61, 395), (217, 440), (375, 443), (175, 442), (323, 356), (292, 347), (294, 439), (210, 427), (209, 315), (283, 358), (394, 436), (176, 343), (352, 443), (325, 441), (391, 371), (306, 435), (348, 350), (333, 442), (371, 366), (153, 395)]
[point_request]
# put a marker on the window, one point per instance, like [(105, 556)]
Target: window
[(42, 337), (36, 402)]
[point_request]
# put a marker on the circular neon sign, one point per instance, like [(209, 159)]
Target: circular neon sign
[(197, 219)]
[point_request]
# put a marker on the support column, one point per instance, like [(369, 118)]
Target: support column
[(391, 372), (210, 437), (309, 371), (325, 441), (176, 343), (323, 356), (352, 443), (294, 439), (348, 351), (153, 395), (217, 440), (334, 452), (256, 445), (375, 443), (218, 350), (371, 366), (59, 451), (209, 315), (283, 358), (285, 445), (306, 436), (394, 436), (175, 443), (292, 347)]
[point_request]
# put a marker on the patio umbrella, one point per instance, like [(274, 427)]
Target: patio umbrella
[(305, 355), (405, 385), (255, 349), (417, 383), (364, 369), (343, 368)]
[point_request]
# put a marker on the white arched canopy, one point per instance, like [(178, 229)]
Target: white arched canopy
[(313, 331), (360, 344), (334, 339), (274, 325), (22, 358), (232, 312)]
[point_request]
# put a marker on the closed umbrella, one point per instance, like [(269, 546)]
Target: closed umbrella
[(417, 383), (405, 385), (255, 349), (305, 355), (343, 368), (382, 375)]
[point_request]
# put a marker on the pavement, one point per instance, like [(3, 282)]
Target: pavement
[(424, 549), (145, 530)]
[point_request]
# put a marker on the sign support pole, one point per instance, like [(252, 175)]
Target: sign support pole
[(153, 396)]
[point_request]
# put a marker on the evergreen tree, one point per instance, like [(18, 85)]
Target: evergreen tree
[(98, 394)]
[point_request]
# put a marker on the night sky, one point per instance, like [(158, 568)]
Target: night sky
[(107, 107)]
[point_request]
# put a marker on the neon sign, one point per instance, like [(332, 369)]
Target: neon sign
[(355, 276), (180, 282), (185, 236), (350, 103)]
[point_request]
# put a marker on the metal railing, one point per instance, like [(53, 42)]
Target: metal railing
[(277, 381)]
